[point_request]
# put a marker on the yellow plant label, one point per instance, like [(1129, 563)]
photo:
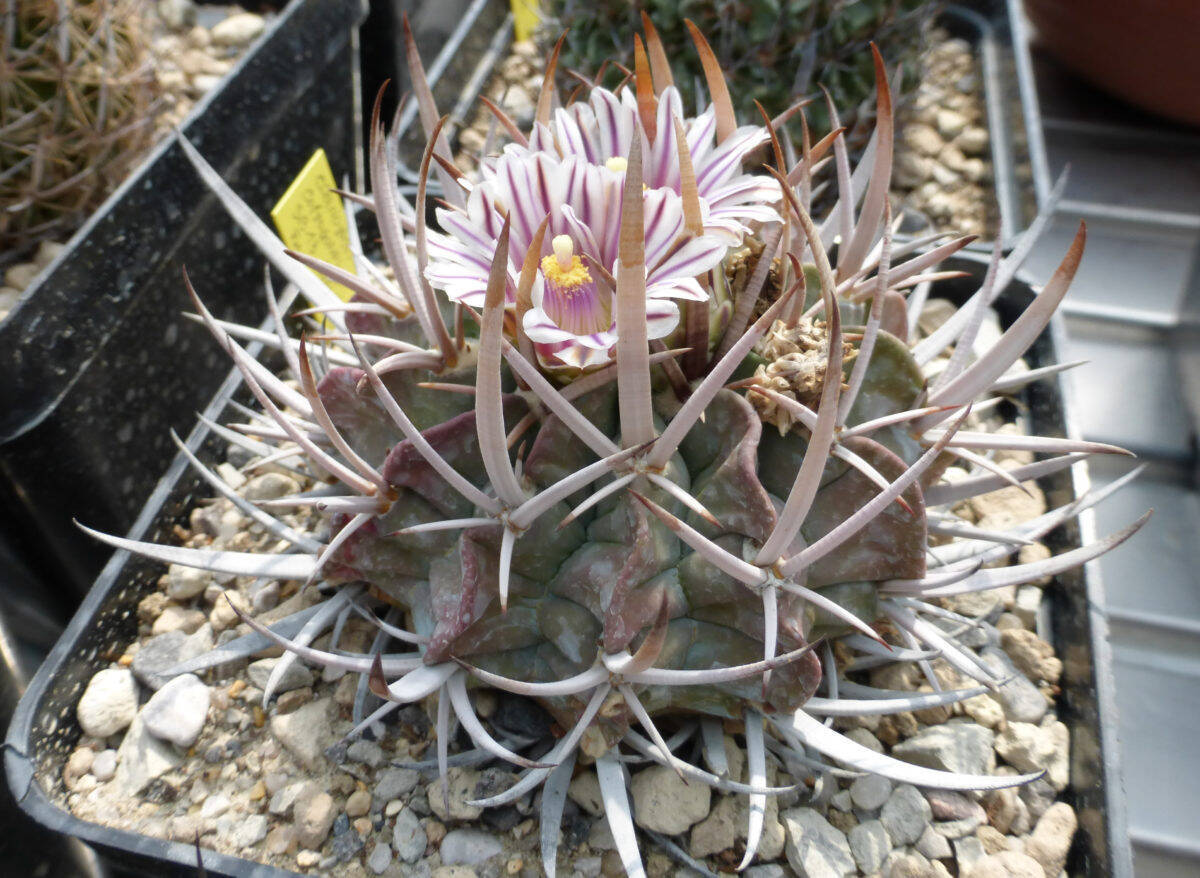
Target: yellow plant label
[(527, 15), (311, 220)]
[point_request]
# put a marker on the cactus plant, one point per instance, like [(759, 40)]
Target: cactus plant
[(77, 96), (649, 516), (773, 52)]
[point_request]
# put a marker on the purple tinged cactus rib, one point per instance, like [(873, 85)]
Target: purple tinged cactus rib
[(609, 489), (454, 478), (1021, 379), (832, 707), (998, 441), (692, 772), (852, 254), (965, 343), (644, 720), (554, 799), (838, 747), (489, 406), (742, 571), (309, 385), (297, 566), (306, 635), (267, 242), (633, 350), (320, 457), (397, 308), (808, 477), (565, 745), (1019, 573), (273, 525), (427, 109), (619, 813), (863, 516), (942, 495), (356, 663), (743, 305), (456, 689), (866, 347), (687, 416), (756, 763), (558, 403)]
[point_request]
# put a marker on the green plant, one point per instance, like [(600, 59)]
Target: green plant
[(77, 96), (622, 494), (772, 51)]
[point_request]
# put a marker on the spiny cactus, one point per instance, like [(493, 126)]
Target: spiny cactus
[(772, 52), (649, 516), (76, 105)]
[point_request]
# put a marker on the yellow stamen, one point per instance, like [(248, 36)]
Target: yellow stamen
[(617, 163), (567, 278)]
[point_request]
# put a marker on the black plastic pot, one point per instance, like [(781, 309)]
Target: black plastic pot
[(44, 729), (99, 337)]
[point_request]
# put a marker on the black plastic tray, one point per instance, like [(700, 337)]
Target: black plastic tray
[(44, 729), (97, 366)]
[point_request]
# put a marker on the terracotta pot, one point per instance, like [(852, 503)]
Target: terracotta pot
[(1146, 52)]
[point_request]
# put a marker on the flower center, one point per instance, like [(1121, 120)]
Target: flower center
[(564, 269)]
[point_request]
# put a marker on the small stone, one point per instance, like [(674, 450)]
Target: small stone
[(453, 872), (960, 747), (20, 276), (864, 738), (47, 252), (949, 805), (1007, 864), (469, 847), (176, 618), (289, 701), (765, 870), (950, 124), (280, 840), (905, 815), (345, 845), (869, 845), (1033, 656), (408, 836), (141, 758), (380, 858), (305, 731), (973, 140), (285, 797), (967, 852), (461, 788), (78, 764), (238, 30), (396, 782), (985, 710), (842, 801), (104, 766), (924, 139), (365, 752), (1058, 772), (992, 840), (584, 791), (264, 596), (223, 614), (358, 804), (933, 845), (815, 849), (295, 676), (1028, 601), (1019, 698), (307, 859), (870, 791), (911, 866), (663, 802), (108, 704), (1026, 747), (176, 14), (162, 653), (270, 486), (1051, 838), (178, 710), (184, 583), (1001, 808), (314, 814), (214, 806), (728, 822)]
